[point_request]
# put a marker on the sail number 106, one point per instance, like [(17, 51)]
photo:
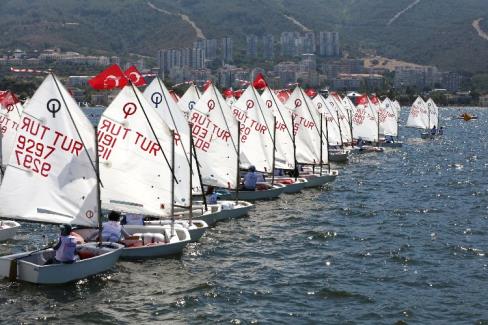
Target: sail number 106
[(32, 155)]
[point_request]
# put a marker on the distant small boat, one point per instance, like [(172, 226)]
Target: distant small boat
[(466, 117)]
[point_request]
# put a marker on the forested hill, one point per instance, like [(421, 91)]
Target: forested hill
[(438, 32)]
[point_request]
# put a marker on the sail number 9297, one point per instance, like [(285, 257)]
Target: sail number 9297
[(32, 155)]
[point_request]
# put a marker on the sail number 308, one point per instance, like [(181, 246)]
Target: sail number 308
[(32, 155)]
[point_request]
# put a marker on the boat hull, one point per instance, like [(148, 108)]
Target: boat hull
[(31, 267), (391, 144), (339, 157), (295, 187), (8, 229), (197, 228), (269, 194), (314, 180), (174, 247)]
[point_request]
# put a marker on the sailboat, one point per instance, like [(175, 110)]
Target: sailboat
[(52, 177), (284, 143), (185, 169), (256, 144), (423, 116), (137, 160), (10, 113), (223, 209), (311, 143), (366, 126), (337, 128), (388, 120)]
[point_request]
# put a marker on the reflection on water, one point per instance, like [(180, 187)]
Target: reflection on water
[(400, 236)]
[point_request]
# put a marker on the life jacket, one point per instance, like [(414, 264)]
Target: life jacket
[(67, 249), (112, 231)]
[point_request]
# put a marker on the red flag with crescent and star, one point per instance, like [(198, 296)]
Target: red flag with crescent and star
[(110, 78), (135, 76), (8, 98), (259, 82)]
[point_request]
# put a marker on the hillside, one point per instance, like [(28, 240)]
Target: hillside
[(438, 32)]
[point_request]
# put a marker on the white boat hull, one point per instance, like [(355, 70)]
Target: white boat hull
[(232, 211), (316, 180), (297, 186), (391, 144), (8, 229), (270, 194), (338, 157), (174, 247), (427, 135), (31, 266), (196, 229)]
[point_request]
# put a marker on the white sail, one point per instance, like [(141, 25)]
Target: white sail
[(434, 113), (284, 130), (388, 118), (418, 117), (306, 122), (257, 125), (215, 138), (160, 99), (189, 99), (365, 121), (50, 176), (135, 175), (343, 117), (327, 109), (9, 123)]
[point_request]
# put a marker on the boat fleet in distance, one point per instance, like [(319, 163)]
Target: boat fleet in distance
[(156, 160)]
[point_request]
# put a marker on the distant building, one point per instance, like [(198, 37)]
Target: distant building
[(483, 102), (209, 46), (451, 81), (420, 77), (227, 50), (268, 47), (229, 76), (357, 82), (289, 42), (286, 73), (169, 59), (348, 66), (329, 44), (252, 46)]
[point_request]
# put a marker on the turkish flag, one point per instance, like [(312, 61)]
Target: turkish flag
[(362, 100), (135, 76), (228, 93), (8, 98), (375, 100), (207, 84), (259, 82), (238, 93), (311, 92), (110, 78)]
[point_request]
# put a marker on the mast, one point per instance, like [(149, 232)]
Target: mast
[(99, 202), (173, 183), (191, 178), (238, 177), (327, 142), (198, 170), (294, 146), (321, 143), (340, 130), (378, 128), (274, 152)]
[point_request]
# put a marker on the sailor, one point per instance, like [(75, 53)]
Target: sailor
[(66, 246), (250, 179), (360, 143), (211, 195), (112, 230), (389, 139), (441, 131), (433, 131)]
